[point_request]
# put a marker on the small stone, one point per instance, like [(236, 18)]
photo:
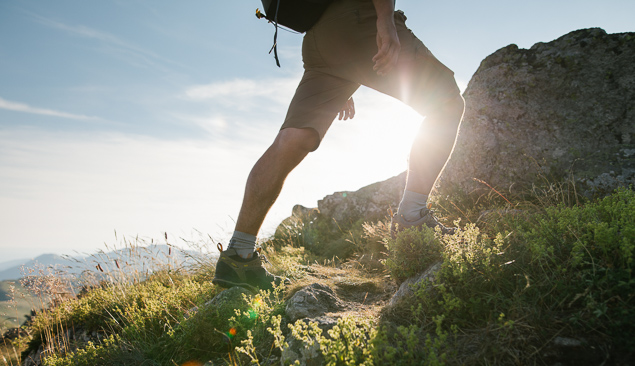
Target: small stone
[(312, 301), (405, 289)]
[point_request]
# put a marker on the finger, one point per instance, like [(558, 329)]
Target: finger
[(382, 64), (351, 109), (381, 57), (388, 62)]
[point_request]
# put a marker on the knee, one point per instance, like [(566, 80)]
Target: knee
[(300, 140)]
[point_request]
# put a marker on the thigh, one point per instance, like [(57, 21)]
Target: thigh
[(419, 79), (317, 101), (344, 42)]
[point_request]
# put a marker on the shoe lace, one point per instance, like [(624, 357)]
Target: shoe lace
[(259, 253)]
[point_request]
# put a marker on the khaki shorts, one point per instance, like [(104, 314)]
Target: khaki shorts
[(337, 54)]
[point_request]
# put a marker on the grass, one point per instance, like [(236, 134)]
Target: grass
[(15, 304), (519, 274)]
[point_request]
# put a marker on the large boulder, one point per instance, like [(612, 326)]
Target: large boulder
[(538, 115)]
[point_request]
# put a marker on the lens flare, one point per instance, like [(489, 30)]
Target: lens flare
[(257, 302), (192, 363), (229, 335), (255, 306)]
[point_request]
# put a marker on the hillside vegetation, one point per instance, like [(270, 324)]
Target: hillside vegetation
[(540, 280)]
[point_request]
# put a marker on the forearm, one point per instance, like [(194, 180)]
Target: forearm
[(385, 10), (387, 38)]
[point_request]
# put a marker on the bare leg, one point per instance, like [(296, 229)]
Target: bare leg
[(265, 181), (432, 146)]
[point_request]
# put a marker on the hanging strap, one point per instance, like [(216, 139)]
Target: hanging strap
[(275, 35)]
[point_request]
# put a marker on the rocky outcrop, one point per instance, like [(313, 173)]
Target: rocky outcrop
[(533, 115), (338, 212), (325, 230), (370, 203)]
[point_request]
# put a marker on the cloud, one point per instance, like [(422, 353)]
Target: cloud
[(21, 107), (242, 91), (243, 109), (116, 46)]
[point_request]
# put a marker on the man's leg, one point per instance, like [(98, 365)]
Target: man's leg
[(239, 265), (433, 145), (428, 156), (265, 182)]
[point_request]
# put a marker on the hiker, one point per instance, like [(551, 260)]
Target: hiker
[(355, 42)]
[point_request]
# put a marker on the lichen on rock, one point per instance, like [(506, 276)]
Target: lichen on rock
[(540, 114)]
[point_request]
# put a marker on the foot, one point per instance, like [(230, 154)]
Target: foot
[(233, 270), (427, 218)]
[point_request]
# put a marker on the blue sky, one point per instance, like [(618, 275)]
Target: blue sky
[(145, 116)]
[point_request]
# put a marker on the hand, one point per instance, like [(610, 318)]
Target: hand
[(388, 46), (348, 110)]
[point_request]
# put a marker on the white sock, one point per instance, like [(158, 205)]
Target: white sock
[(244, 244), (411, 205)]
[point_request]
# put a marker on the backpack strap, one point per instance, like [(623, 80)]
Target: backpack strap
[(274, 48)]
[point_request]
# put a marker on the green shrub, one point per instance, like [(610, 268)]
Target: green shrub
[(412, 251), (562, 271)]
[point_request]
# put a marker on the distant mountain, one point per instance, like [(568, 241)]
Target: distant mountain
[(12, 263), (137, 258), (43, 261)]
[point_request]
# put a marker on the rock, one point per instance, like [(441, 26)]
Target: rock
[(312, 301), (299, 215), (325, 230), (14, 333), (405, 289), (34, 358), (370, 203), (534, 115), (573, 351), (306, 354)]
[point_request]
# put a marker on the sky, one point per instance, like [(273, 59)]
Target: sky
[(134, 118)]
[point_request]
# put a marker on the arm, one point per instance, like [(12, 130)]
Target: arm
[(387, 40)]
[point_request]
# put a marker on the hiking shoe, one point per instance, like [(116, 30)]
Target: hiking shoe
[(233, 270), (399, 223)]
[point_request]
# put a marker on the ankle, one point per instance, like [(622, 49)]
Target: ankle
[(411, 205), (244, 244)]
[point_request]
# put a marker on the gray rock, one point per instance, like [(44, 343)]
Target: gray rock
[(299, 216), (405, 289), (13, 333), (307, 350), (370, 203), (313, 301), (567, 342), (307, 354), (532, 115), (573, 351)]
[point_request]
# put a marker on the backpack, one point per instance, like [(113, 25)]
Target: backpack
[(298, 15)]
